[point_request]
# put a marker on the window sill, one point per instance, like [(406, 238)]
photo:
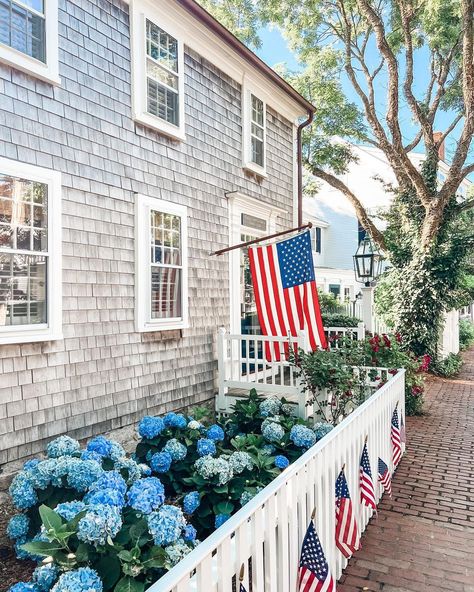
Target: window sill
[(255, 169), (155, 327), (162, 127), (12, 336), (28, 65)]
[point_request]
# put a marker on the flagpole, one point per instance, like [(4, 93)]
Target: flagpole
[(262, 238)]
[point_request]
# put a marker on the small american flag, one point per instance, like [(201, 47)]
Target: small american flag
[(285, 292), (396, 439), (367, 491), (347, 535), (384, 477), (314, 574), (242, 588), (403, 434)]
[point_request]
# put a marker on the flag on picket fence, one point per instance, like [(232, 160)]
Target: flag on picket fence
[(384, 477), (395, 438), (403, 434), (347, 534), (285, 292), (242, 588), (366, 483), (314, 574)]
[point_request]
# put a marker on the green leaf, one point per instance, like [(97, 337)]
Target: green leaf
[(51, 520), (82, 553), (129, 584), (224, 508), (109, 569), (42, 548)]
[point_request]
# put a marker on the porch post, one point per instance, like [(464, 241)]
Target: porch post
[(221, 398), (368, 308)]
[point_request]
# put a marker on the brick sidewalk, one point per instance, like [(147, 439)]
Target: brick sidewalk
[(423, 538)]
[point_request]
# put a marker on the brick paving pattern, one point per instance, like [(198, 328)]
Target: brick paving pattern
[(423, 538)]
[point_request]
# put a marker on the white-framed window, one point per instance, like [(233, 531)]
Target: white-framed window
[(157, 71), (161, 279), (30, 253), (254, 114), (316, 239), (29, 37)]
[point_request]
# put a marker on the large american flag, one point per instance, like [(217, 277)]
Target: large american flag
[(314, 574), (285, 291), (395, 437), (367, 491), (347, 535), (384, 477)]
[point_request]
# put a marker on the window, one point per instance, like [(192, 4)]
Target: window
[(335, 289), (316, 239), (254, 136), (161, 295), (29, 36), (30, 253), (157, 72)]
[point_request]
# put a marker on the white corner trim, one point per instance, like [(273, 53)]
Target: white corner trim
[(53, 329), (143, 320), (49, 71), (139, 13)]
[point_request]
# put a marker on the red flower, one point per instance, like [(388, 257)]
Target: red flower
[(398, 337), (386, 340), (393, 371), (416, 390)]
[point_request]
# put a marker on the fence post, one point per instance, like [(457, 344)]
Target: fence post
[(360, 331), (221, 406), (368, 307), (303, 344)]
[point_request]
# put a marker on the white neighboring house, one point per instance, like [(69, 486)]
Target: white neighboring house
[(337, 232)]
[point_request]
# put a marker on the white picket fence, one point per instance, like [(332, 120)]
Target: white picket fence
[(266, 534), (260, 361)]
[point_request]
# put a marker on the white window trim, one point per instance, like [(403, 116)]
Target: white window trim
[(142, 11), (49, 71), (247, 92), (53, 329), (143, 320)]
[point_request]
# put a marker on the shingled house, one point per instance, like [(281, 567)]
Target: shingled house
[(135, 139)]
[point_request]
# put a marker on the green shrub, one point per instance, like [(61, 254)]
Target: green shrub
[(336, 319), (329, 303), (449, 366), (466, 334)]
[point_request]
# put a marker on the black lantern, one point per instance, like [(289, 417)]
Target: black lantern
[(367, 262)]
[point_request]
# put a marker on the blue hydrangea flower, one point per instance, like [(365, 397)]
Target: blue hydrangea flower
[(18, 526), (175, 420), (144, 469), (194, 425), (191, 502), (42, 473), (189, 533), (268, 449), (273, 432), (166, 525), (146, 495), (24, 587), (45, 576), (270, 406), (117, 451), (107, 497), (100, 523), (281, 461), (83, 473), (209, 467), (215, 432), (176, 552), (101, 445), (240, 461), (206, 446), (248, 495), (220, 519), (69, 510), (62, 446), (150, 427), (83, 579), (302, 436), (31, 464), (288, 409), (110, 480), (321, 429), (22, 492), (161, 462), (175, 449), (91, 455), (129, 467)]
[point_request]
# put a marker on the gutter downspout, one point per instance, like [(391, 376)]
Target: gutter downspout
[(299, 158)]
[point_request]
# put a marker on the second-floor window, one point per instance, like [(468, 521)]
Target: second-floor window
[(316, 239), (29, 36), (254, 132)]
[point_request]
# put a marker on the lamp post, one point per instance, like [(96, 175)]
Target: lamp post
[(367, 268)]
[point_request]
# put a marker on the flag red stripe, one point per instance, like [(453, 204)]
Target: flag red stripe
[(258, 301), (319, 319), (267, 293), (277, 290)]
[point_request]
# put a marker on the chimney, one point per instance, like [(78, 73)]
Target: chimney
[(437, 137)]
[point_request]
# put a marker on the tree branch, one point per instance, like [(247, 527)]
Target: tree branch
[(361, 212)]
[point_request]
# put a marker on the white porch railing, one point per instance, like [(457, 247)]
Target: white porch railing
[(266, 534)]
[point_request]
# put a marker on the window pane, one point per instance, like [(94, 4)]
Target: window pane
[(161, 75), (257, 131), (22, 29), (23, 214), (257, 151), (165, 238), (257, 111), (163, 102), (22, 289), (162, 47), (165, 292)]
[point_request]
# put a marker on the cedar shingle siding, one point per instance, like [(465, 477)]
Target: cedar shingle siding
[(104, 374)]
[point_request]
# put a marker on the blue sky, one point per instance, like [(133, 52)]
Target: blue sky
[(275, 50)]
